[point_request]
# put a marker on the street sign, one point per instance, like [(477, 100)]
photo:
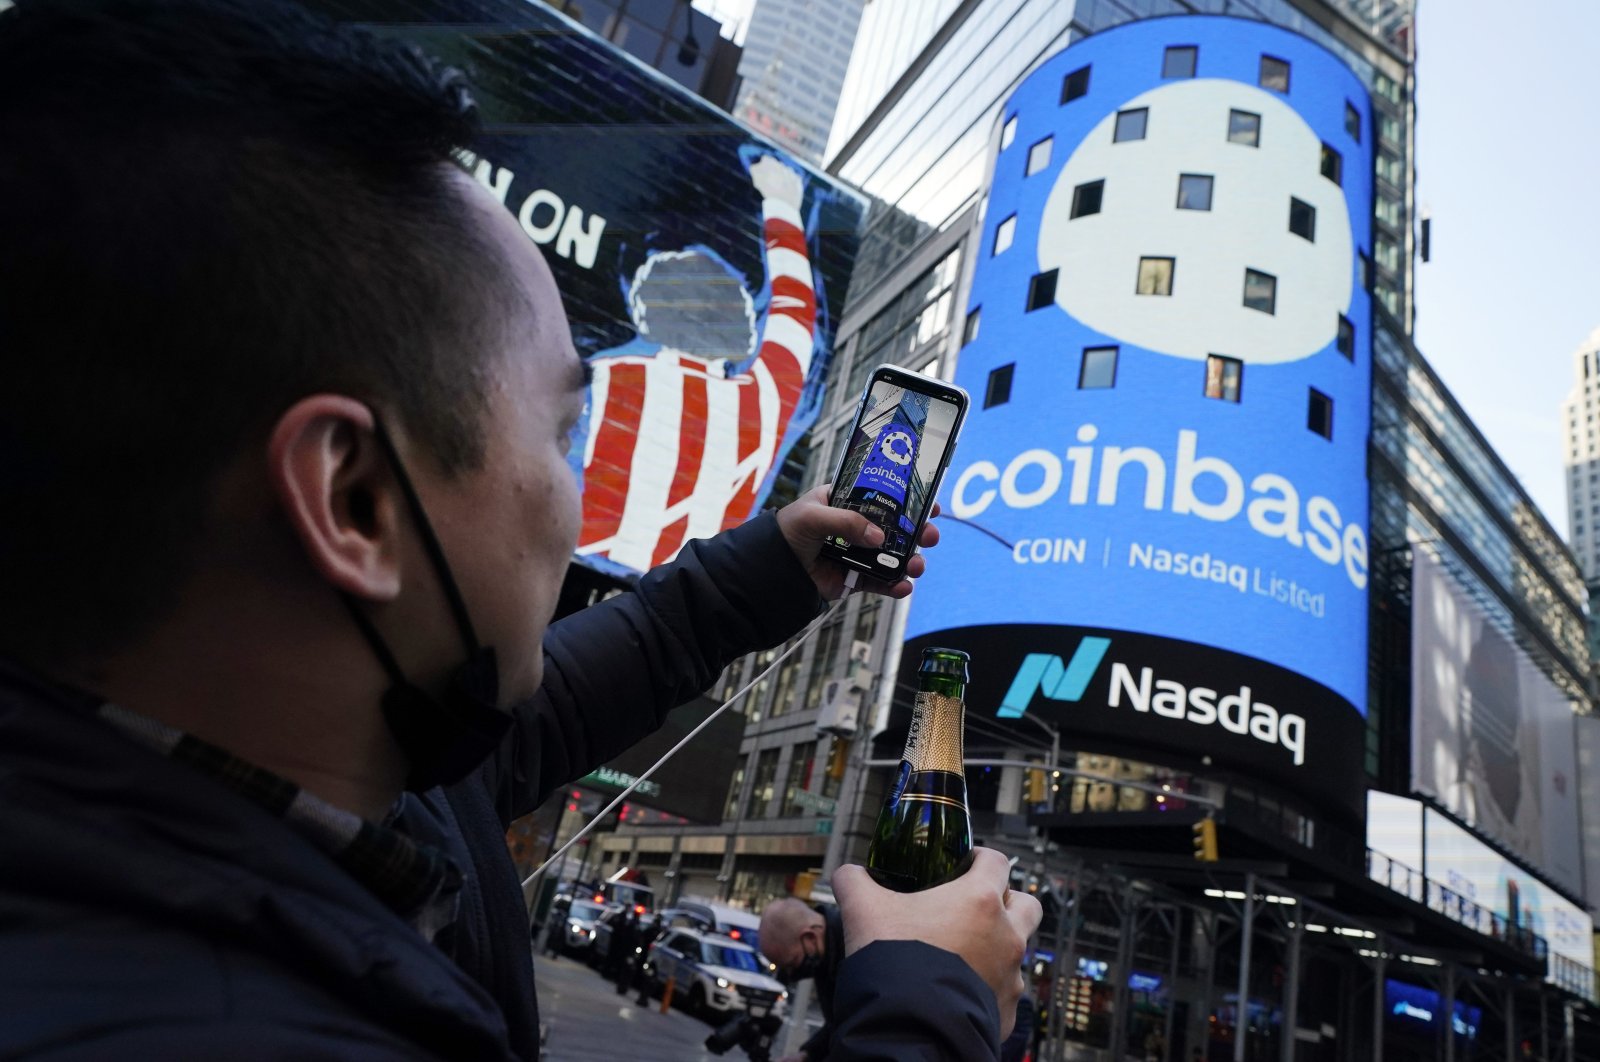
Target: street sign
[(814, 802), (824, 826)]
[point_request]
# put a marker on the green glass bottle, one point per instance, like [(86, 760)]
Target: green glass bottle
[(924, 834)]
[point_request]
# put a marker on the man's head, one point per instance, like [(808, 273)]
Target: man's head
[(794, 936), (236, 236), (694, 302)]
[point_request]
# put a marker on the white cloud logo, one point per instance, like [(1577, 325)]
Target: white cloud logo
[(897, 447), (1186, 131)]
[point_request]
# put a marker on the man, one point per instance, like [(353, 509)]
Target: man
[(725, 426), (647, 938), (619, 957), (803, 941), (283, 431)]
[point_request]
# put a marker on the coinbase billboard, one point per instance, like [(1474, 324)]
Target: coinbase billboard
[(1160, 496)]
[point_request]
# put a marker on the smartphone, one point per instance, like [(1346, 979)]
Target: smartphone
[(897, 451)]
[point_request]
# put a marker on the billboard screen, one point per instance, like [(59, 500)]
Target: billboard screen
[(702, 268), (1459, 864), (1493, 740), (1413, 1009), (1160, 501)]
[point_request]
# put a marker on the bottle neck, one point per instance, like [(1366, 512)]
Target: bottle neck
[(938, 723)]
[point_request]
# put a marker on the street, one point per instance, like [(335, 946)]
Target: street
[(589, 1022)]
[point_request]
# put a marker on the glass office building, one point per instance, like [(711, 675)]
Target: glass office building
[(792, 68), (918, 123)]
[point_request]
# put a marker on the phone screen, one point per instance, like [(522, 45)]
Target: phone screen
[(891, 467)]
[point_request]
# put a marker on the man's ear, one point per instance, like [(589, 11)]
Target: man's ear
[(334, 483)]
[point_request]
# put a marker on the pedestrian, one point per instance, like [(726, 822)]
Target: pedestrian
[(285, 416), (624, 941), (648, 936), (805, 941)]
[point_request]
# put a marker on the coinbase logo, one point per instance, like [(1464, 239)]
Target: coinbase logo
[(897, 447), (1206, 185)]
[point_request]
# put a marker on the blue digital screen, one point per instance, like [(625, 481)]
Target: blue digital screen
[(1172, 275), (1412, 1006)]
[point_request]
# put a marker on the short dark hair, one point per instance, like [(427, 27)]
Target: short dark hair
[(208, 210)]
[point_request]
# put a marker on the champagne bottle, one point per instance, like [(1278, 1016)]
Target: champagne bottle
[(924, 834)]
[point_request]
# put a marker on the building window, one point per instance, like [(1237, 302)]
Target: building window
[(1194, 191), (1244, 127), (802, 759), (1332, 164), (1155, 276), (1319, 414), (730, 810), (1302, 219), (762, 784), (1130, 124), (1347, 337), (1086, 198), (1274, 74), (1224, 377), (1038, 156), (1260, 291), (1041, 290), (1179, 61), (1099, 369), (998, 390), (1075, 85), (1352, 121), (1005, 231), (1008, 132), (969, 331)]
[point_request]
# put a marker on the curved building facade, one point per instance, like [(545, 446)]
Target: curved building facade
[(1161, 491)]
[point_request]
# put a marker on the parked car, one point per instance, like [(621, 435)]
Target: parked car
[(710, 917), (713, 974), (575, 922)]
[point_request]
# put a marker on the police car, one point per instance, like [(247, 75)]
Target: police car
[(713, 974)]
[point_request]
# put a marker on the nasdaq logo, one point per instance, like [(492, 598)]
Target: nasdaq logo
[(1044, 673)]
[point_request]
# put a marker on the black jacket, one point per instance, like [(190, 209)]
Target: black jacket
[(148, 911), (826, 982)]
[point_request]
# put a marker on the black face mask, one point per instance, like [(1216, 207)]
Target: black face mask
[(809, 966), (444, 737)]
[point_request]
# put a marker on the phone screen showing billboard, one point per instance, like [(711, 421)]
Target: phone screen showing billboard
[(891, 466)]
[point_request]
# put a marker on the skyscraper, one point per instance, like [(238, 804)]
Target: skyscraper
[(1581, 448), (793, 66)]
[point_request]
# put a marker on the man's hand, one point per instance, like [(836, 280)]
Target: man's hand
[(809, 520), (977, 916), (774, 180)]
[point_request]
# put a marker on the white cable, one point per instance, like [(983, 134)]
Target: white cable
[(849, 583), (690, 736)]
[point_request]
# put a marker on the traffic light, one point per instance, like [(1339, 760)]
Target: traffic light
[(837, 757), (1038, 787), (1205, 840), (804, 882)]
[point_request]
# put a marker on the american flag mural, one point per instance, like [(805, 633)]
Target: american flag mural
[(678, 445)]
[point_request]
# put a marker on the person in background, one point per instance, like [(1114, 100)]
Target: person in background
[(647, 937), (805, 941), (623, 951), (285, 405)]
